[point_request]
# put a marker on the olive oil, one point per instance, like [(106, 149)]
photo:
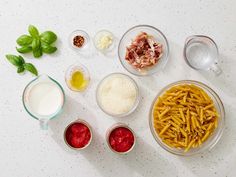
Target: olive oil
[(77, 77), (78, 81)]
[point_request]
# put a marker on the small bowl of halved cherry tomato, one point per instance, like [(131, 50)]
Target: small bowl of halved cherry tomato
[(120, 138), (78, 134)]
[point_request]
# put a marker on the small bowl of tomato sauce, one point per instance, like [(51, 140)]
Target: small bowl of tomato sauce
[(78, 134), (120, 138)]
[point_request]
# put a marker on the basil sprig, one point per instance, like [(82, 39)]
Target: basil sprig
[(36, 42), (19, 62)]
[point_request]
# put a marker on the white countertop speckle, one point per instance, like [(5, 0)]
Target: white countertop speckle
[(26, 151)]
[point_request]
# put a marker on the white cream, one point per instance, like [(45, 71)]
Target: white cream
[(45, 98), (117, 94)]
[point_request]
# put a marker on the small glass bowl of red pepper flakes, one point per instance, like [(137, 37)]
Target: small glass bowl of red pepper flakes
[(79, 40), (120, 138), (78, 134)]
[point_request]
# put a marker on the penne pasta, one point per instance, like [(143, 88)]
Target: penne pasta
[(201, 116), (164, 129), (209, 106), (176, 120), (193, 123), (164, 112), (189, 145), (182, 114), (188, 121), (184, 117), (205, 136)]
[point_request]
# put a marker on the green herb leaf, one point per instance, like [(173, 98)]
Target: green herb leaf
[(48, 49), (38, 53), (15, 60), (48, 36), (24, 40), (36, 44), (20, 69), (24, 49), (31, 68), (33, 31), (22, 59)]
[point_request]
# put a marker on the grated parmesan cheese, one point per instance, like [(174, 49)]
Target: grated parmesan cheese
[(117, 94)]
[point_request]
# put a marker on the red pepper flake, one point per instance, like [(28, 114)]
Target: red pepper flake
[(78, 41), (78, 135), (121, 139)]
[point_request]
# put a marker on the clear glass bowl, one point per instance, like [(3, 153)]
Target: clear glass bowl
[(71, 70), (136, 101), (126, 41), (86, 46), (99, 35), (212, 140)]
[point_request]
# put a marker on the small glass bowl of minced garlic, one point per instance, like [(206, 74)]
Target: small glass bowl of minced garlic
[(77, 77), (104, 41)]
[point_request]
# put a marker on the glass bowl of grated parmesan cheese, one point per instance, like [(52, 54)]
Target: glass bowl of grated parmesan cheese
[(117, 95)]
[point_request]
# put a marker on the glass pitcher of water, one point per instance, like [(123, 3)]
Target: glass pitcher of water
[(201, 53), (43, 98)]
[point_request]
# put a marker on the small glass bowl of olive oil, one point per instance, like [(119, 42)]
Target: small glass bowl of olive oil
[(77, 77)]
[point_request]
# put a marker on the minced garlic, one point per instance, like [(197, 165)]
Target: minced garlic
[(103, 40)]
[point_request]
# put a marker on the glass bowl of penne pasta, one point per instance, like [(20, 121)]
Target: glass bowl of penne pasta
[(187, 117)]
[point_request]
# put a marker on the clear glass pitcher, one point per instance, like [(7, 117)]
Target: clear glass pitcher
[(43, 98), (201, 53)]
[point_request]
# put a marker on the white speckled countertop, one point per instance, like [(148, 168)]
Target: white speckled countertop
[(26, 151)]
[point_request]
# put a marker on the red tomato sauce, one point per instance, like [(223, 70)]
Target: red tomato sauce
[(78, 135), (121, 139)]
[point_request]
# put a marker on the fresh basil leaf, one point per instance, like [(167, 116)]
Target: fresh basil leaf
[(24, 49), (24, 40), (36, 44), (33, 31), (38, 53), (48, 36), (31, 68), (20, 69), (15, 60), (48, 49), (22, 59)]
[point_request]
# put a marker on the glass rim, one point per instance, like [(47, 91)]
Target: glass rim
[(136, 101), (147, 26), (217, 136)]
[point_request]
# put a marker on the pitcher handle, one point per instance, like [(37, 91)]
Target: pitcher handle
[(216, 69), (43, 124)]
